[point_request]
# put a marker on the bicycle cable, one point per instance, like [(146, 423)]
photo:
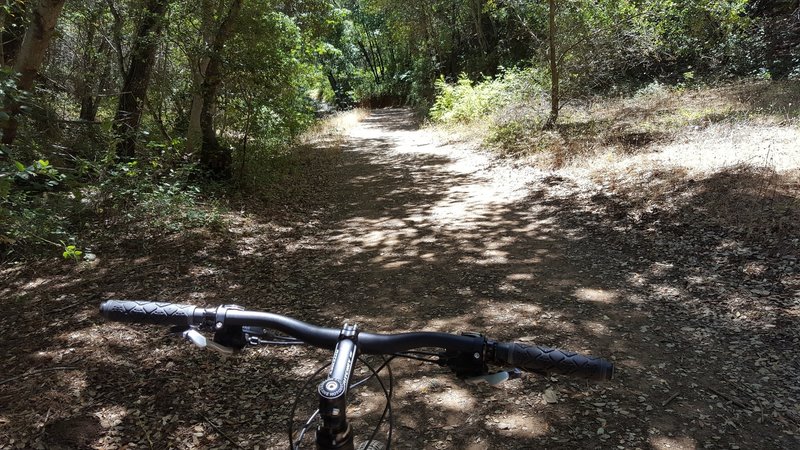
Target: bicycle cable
[(387, 394), (297, 398)]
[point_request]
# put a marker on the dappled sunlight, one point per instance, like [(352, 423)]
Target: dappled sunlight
[(454, 399), (596, 295), (518, 425), (520, 277), (596, 328), (449, 324), (111, 416), (672, 443), (416, 236), (659, 269), (365, 403), (438, 392), (35, 283), (73, 382)]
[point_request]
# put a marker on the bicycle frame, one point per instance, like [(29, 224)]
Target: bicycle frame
[(335, 432)]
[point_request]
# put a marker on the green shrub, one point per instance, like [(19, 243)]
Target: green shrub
[(466, 101), (506, 135), (50, 210), (150, 199)]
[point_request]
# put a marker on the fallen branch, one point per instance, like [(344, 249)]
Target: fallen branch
[(730, 398), (670, 399), (221, 433), (37, 372), (65, 308)]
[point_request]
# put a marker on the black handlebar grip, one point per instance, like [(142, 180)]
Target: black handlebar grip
[(550, 360), (148, 312)]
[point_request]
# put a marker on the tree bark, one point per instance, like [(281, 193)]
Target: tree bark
[(116, 34), (194, 133), (340, 90), (366, 55), (87, 80), (137, 77), (476, 10), (215, 160), (554, 99), (31, 54), (2, 32)]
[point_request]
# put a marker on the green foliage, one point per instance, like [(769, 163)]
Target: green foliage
[(271, 70), (150, 198), (466, 101), (33, 205), (41, 204), (72, 252), (508, 134)]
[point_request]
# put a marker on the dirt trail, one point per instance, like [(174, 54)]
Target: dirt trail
[(403, 232)]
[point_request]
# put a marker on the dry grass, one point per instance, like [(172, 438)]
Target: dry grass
[(735, 124), (732, 152), (332, 130), (729, 153)]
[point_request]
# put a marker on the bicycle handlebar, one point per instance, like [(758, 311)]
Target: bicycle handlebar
[(530, 358)]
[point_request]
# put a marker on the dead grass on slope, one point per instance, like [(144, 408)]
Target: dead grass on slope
[(729, 153), (744, 115)]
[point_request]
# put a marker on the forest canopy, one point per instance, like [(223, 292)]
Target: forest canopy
[(114, 110)]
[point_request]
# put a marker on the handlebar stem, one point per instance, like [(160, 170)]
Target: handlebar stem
[(335, 431)]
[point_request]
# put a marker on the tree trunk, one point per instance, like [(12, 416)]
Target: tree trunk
[(116, 34), (554, 100), (87, 80), (476, 10), (88, 108), (340, 89), (137, 77), (2, 31), (215, 160), (366, 55), (31, 54), (194, 133)]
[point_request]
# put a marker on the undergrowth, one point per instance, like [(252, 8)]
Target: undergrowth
[(68, 206), (71, 206)]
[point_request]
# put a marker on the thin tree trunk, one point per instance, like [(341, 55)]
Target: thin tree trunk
[(31, 54), (194, 133), (366, 55), (116, 34), (554, 99), (476, 11), (375, 47), (2, 30), (214, 159), (137, 77), (86, 82)]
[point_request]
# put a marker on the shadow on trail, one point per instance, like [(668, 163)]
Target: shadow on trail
[(417, 237)]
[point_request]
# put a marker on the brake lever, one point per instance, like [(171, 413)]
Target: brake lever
[(196, 338), (493, 379)]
